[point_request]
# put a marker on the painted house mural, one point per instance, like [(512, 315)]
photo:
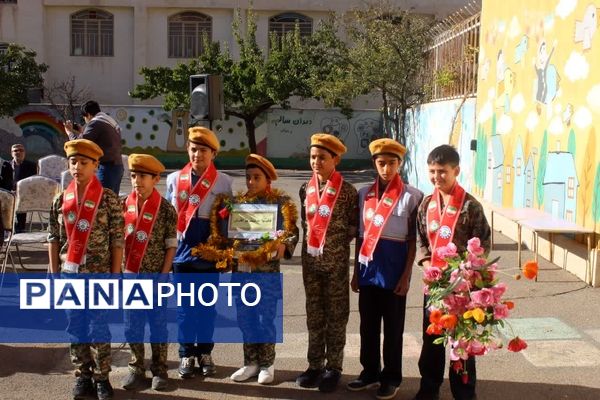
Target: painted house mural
[(520, 177), (560, 186), (538, 104)]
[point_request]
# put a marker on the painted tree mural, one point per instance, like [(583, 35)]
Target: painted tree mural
[(587, 177), (539, 183), (596, 201), (572, 145)]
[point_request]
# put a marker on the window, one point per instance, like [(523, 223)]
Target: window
[(569, 216), (499, 179), (3, 49), (518, 166), (187, 31), (92, 33), (8, 1), (571, 187), (528, 176), (508, 171), (284, 23)]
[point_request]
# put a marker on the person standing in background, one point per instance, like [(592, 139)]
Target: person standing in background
[(103, 130)]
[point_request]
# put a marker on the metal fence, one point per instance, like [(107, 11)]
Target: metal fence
[(453, 58)]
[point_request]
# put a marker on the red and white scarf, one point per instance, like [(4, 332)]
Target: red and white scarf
[(79, 217), (441, 224), (138, 228), (188, 200), (319, 210), (376, 214)]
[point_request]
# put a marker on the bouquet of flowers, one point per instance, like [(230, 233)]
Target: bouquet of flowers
[(466, 305)]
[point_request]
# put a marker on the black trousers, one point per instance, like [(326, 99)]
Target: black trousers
[(376, 304), (432, 364)]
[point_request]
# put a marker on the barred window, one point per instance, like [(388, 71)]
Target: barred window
[(3, 47), (284, 23), (8, 1), (92, 33), (187, 31)]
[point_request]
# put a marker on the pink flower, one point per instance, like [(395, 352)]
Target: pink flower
[(498, 291), (432, 274), (464, 284), (474, 247), (500, 311), (449, 251), (483, 298), (476, 348), (456, 304), (476, 261), (458, 350)]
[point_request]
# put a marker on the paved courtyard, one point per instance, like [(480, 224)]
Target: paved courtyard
[(558, 316)]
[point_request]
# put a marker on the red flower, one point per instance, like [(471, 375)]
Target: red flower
[(434, 329), (224, 213), (457, 366), (434, 316), (448, 321), (517, 344), (465, 378)]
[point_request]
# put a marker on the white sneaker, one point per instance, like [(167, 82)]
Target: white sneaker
[(266, 375), (245, 373)]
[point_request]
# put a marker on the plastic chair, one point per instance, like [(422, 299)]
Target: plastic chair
[(65, 179), (7, 213), (34, 194), (52, 166)]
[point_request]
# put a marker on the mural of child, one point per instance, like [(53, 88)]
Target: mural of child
[(547, 76)]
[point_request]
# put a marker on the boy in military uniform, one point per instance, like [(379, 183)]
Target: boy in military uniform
[(192, 191), (329, 220), (385, 252), (150, 243), (450, 214), (87, 213)]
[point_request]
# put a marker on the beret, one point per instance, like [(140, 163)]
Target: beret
[(203, 136), (145, 163), (83, 147), (328, 142), (387, 146), (263, 164)]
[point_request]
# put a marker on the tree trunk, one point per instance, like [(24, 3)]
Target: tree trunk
[(251, 134)]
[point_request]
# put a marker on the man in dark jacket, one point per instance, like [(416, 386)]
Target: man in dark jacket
[(12, 172), (103, 130)]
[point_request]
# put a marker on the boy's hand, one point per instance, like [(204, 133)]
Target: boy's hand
[(280, 251), (354, 284), (402, 287)]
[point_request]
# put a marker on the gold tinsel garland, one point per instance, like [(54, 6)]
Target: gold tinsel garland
[(213, 250)]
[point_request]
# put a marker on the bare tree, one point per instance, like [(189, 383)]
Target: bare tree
[(64, 96)]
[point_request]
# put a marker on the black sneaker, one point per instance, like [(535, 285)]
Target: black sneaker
[(310, 378), (186, 367), (83, 388), (387, 391), (132, 381), (104, 390), (329, 380), (359, 384)]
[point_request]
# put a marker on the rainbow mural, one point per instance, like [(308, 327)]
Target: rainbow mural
[(37, 125)]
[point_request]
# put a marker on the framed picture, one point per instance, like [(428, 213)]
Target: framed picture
[(252, 221)]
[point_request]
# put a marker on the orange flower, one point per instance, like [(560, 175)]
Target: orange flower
[(434, 329), (509, 304), (434, 316), (530, 269), (448, 321)]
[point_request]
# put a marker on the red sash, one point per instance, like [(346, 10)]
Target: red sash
[(189, 201), (138, 228), (81, 217), (319, 210), (440, 225), (376, 214)]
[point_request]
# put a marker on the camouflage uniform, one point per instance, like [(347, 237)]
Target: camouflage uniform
[(326, 281), (471, 223), (163, 237), (107, 233)]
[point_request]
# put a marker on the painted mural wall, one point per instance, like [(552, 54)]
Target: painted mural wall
[(538, 107), (431, 125), (281, 134)]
